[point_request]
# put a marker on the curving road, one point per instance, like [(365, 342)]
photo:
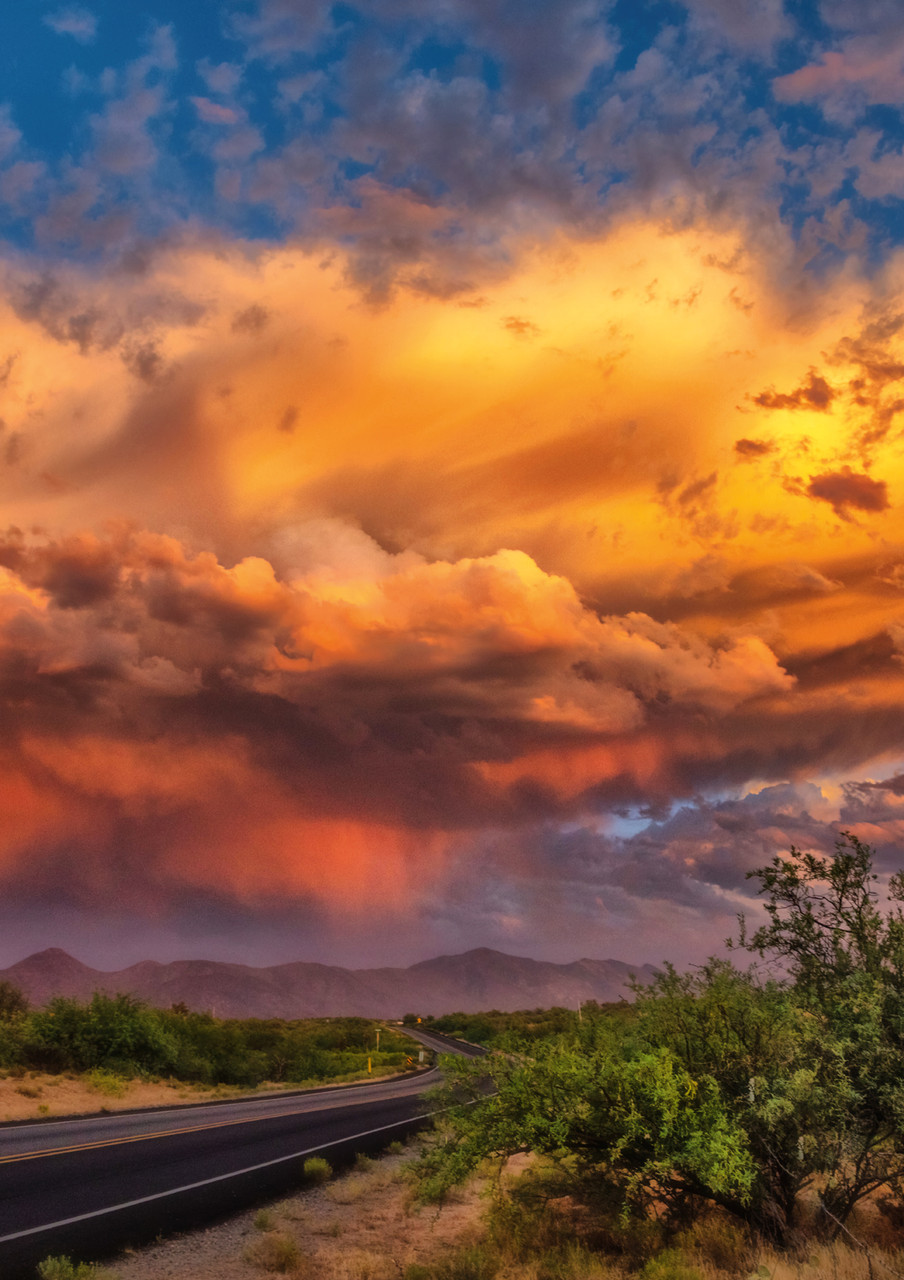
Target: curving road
[(89, 1186)]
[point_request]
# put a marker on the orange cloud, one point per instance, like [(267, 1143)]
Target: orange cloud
[(302, 592)]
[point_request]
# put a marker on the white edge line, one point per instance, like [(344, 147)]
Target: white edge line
[(220, 1177)]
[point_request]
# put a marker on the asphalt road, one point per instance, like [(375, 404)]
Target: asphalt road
[(445, 1044), (89, 1186)]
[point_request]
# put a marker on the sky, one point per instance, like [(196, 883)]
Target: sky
[(451, 459)]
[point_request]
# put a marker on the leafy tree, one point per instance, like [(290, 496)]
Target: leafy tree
[(118, 1033), (845, 962), (722, 1086), (779, 1071), (638, 1124), (13, 1003)]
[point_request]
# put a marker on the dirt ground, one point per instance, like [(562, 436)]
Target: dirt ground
[(358, 1226), (36, 1095)]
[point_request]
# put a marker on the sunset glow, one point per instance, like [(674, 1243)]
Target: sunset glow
[(446, 504)]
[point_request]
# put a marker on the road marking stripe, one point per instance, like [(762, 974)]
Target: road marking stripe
[(220, 1177), (324, 1091), (166, 1133)]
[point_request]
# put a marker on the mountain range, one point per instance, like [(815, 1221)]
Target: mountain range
[(477, 980)]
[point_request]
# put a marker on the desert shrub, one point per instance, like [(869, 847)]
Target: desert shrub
[(275, 1252), (317, 1170), (63, 1268), (723, 1088), (671, 1264), (117, 1033), (107, 1083), (13, 1004)]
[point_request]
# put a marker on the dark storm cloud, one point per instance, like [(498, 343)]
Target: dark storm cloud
[(251, 320), (814, 394), (845, 490), (753, 448)]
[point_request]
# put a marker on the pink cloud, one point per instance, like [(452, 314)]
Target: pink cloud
[(879, 75), (214, 112)]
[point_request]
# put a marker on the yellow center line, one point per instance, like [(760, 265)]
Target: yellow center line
[(162, 1133)]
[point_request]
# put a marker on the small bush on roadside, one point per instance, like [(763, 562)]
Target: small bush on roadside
[(395, 1148), (107, 1082), (264, 1220), (274, 1251), (363, 1162), (317, 1170), (63, 1268), (671, 1264)]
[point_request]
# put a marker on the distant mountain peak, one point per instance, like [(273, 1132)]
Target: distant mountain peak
[(471, 981)]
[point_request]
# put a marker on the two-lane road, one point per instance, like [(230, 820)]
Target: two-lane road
[(90, 1185)]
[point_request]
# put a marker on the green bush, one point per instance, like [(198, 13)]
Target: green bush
[(63, 1268), (721, 1088), (107, 1083), (317, 1170), (117, 1033), (13, 1003), (671, 1264)]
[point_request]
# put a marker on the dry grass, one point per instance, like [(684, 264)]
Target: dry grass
[(21, 1096), (99, 1090), (362, 1264), (363, 1226), (360, 1185), (278, 1252), (373, 1234)]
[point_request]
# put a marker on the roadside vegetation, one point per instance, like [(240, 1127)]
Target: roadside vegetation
[(744, 1121), (762, 1104), (498, 1030), (524, 1225), (113, 1039)]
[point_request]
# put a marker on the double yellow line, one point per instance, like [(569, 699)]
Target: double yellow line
[(145, 1137)]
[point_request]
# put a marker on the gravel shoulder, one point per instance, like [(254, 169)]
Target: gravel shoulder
[(360, 1225)]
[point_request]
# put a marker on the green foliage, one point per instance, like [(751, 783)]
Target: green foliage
[(118, 1037), (116, 1033), (63, 1268), (317, 1170), (525, 1026), (719, 1087), (107, 1083), (12, 1002), (845, 958), (13, 1010), (636, 1121), (669, 1265)]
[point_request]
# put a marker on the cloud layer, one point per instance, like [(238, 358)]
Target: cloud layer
[(451, 469)]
